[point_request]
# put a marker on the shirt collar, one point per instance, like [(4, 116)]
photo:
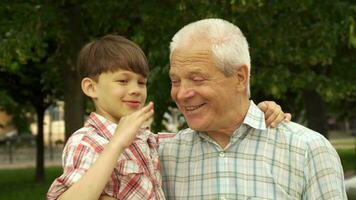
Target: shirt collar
[(255, 118), (104, 126)]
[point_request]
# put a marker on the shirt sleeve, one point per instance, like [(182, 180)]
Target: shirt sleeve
[(76, 161), (324, 175)]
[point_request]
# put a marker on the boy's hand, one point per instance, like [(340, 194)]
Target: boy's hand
[(129, 125), (104, 197), (273, 113)]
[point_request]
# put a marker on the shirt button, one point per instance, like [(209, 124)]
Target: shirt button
[(222, 154)]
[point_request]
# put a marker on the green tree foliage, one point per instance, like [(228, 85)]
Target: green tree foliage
[(298, 48), (28, 73), (303, 52)]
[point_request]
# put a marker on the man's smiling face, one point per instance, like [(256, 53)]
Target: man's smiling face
[(205, 96)]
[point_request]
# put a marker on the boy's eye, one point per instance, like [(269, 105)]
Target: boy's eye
[(122, 81), (142, 82)]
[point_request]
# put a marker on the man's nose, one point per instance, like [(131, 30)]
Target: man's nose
[(185, 92)]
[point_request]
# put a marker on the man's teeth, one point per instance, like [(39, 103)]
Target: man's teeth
[(191, 108)]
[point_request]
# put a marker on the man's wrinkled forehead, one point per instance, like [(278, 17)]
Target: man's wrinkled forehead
[(193, 43), (187, 51), (190, 57), (191, 61)]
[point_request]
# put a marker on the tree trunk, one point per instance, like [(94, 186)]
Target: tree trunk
[(74, 105), (73, 97), (40, 146), (315, 112)]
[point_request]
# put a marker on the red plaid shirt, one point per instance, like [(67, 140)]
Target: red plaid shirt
[(136, 175)]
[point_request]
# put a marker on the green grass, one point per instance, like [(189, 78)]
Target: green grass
[(348, 159), (19, 183)]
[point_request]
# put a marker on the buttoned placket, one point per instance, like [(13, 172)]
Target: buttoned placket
[(223, 161)]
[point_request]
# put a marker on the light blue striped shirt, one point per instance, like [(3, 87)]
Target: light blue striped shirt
[(287, 162)]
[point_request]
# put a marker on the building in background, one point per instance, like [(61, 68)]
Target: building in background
[(7, 128), (53, 125)]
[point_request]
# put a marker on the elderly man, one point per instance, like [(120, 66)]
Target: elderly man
[(228, 152)]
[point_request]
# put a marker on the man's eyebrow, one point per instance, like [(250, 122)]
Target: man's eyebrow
[(194, 71), (197, 72)]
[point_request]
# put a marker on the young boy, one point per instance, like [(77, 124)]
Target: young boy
[(114, 72), (114, 155)]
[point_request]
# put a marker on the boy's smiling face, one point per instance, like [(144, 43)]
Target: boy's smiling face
[(119, 93)]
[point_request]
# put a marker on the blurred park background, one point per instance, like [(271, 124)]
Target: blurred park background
[(303, 57)]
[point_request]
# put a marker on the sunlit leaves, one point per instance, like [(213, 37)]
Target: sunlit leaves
[(293, 44)]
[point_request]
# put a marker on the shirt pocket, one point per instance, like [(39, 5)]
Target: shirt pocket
[(133, 181)]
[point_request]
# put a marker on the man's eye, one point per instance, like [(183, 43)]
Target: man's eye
[(198, 79), (174, 82)]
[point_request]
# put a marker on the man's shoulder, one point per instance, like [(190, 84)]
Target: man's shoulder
[(296, 133), (298, 130)]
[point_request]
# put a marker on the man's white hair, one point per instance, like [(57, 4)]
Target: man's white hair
[(228, 45)]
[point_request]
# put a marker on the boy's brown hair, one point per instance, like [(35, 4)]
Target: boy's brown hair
[(110, 53)]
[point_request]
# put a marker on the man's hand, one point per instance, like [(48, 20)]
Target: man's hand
[(129, 125), (273, 113)]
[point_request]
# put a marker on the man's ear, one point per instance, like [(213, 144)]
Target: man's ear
[(89, 87), (241, 75)]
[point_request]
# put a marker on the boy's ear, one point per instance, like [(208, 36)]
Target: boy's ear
[(241, 75), (89, 87)]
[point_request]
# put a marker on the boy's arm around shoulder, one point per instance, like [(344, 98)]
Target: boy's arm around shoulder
[(273, 113)]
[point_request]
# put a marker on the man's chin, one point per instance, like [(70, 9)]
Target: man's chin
[(196, 126)]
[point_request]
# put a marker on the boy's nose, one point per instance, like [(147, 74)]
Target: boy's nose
[(134, 89)]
